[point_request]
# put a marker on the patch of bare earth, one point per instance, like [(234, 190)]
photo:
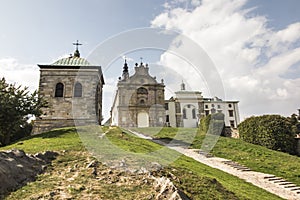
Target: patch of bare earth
[(77, 175)]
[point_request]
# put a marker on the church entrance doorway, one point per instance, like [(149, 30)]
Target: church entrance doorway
[(143, 119)]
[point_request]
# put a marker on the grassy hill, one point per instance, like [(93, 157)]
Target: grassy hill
[(255, 157), (69, 177)]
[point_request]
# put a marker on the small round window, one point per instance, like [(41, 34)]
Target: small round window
[(142, 101)]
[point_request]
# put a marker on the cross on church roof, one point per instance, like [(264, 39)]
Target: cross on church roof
[(77, 44), (76, 53)]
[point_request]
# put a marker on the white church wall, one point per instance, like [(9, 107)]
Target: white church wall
[(114, 111), (190, 119), (228, 108)]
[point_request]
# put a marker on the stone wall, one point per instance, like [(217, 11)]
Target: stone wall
[(43, 125), (130, 105), (62, 111)]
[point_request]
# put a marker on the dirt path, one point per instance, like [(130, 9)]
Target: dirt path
[(269, 182)]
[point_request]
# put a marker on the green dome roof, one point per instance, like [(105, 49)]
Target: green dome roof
[(72, 61)]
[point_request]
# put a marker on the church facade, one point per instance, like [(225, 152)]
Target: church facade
[(72, 88), (139, 99)]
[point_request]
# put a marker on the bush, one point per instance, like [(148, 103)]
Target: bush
[(271, 131)]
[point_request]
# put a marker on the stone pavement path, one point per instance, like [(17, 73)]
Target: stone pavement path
[(262, 180), (269, 182)]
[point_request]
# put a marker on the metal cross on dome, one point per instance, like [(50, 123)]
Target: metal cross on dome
[(77, 44)]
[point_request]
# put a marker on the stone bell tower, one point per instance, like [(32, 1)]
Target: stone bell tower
[(73, 89)]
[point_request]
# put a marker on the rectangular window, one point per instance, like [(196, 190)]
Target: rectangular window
[(167, 106), (206, 112), (231, 123), (230, 113), (167, 118)]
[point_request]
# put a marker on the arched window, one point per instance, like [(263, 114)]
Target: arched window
[(184, 113), (78, 90), (59, 90), (194, 113)]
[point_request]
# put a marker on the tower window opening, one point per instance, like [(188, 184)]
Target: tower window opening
[(59, 90), (78, 90)]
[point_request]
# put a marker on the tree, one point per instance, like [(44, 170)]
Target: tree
[(272, 131), (16, 104), (295, 124)]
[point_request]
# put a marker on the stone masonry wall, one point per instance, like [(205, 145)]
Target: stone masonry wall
[(67, 110), (130, 105)]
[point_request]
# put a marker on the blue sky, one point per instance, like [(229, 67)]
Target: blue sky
[(35, 32)]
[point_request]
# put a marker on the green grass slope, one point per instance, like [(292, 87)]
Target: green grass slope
[(69, 176), (255, 157)]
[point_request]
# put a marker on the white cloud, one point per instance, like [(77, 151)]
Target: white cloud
[(250, 57), (279, 64), (128, 59), (290, 34), (282, 40), (20, 74), (177, 70)]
